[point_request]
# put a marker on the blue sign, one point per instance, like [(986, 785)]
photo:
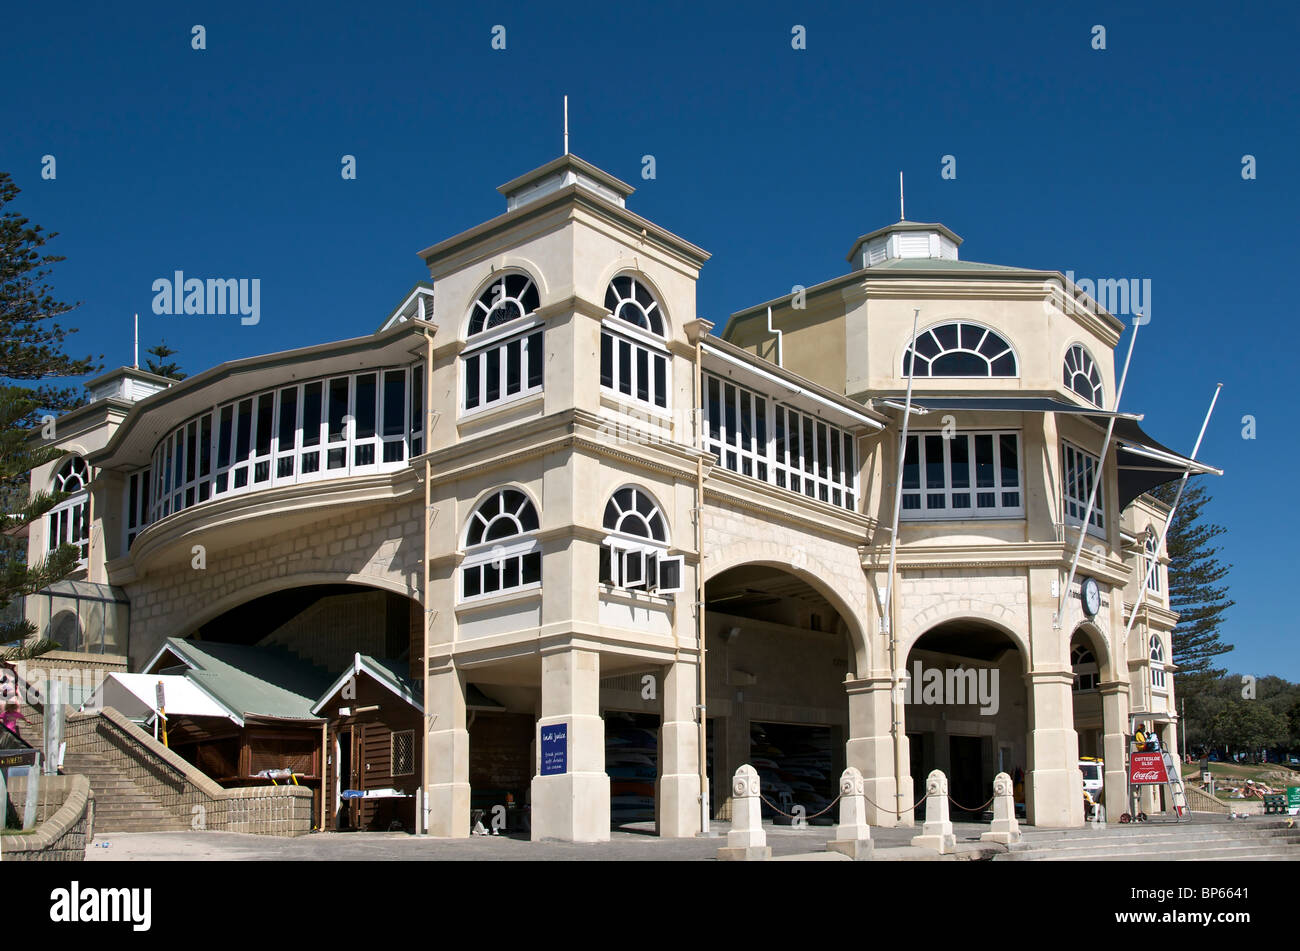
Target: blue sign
[(555, 749)]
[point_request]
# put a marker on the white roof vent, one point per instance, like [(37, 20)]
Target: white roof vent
[(127, 383), (906, 239)]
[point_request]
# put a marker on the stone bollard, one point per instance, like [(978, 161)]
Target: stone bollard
[(937, 832), (853, 834), (746, 841), (1005, 828)]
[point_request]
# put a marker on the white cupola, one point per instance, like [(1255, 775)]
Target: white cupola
[(904, 240), (559, 173)]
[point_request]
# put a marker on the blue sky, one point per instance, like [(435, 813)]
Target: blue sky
[(1123, 162)]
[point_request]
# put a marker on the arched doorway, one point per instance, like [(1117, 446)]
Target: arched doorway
[(966, 712), (779, 651)]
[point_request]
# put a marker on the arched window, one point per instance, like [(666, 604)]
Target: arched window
[(632, 364), (68, 523), (1157, 663), (961, 349), (628, 299), (72, 476), (509, 297), (501, 552), (1150, 563), (635, 553), (506, 365), (1084, 664), (1081, 374)]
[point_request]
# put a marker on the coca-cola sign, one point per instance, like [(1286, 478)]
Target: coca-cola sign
[(1145, 769)]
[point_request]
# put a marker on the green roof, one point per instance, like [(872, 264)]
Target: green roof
[(940, 264), (253, 681)]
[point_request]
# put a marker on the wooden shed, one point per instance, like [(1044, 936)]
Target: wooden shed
[(374, 757)]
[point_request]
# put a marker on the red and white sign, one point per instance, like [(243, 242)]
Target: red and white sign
[(1146, 769)]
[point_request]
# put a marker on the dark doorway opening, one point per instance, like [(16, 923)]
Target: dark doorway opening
[(966, 787), (632, 763), (798, 769)]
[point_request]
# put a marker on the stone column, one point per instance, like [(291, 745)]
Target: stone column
[(1005, 828), (1054, 793), (572, 803), (448, 752), (679, 744), (870, 749), (1114, 719), (937, 832), (746, 841), (853, 834)]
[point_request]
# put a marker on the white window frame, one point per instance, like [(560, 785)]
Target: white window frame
[(961, 348), (1087, 368), (494, 554), (1085, 668), (530, 334), (1084, 462), (1159, 682), (651, 557), (1000, 509), (170, 479), (1151, 563), (638, 340), (771, 460)]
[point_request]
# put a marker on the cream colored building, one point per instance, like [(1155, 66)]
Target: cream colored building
[(563, 482)]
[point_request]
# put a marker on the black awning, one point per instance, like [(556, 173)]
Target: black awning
[(1010, 404), (1144, 463)]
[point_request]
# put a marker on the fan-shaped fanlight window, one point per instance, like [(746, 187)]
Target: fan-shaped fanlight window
[(502, 515), (963, 350), (632, 512), (1081, 374), (72, 476), (629, 299), (508, 298)]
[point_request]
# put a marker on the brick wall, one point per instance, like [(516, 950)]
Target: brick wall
[(64, 821), (379, 545), (182, 789)]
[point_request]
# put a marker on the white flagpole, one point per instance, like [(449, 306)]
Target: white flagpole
[(566, 125), (1096, 484), (886, 626), (1146, 580), (136, 364)]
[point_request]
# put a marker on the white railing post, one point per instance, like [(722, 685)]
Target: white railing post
[(746, 841), (937, 833), (1005, 828), (853, 834)]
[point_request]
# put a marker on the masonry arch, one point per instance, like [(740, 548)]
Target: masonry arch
[(966, 709), (781, 643)]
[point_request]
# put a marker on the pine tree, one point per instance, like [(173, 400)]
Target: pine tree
[(31, 351), (1195, 589), (159, 366)]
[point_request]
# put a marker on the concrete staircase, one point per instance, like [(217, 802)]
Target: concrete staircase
[(1202, 840), (120, 805)]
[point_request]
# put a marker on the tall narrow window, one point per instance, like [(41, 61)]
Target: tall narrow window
[(1081, 374), (633, 357), (1150, 563), (1157, 663), (1080, 471), (504, 364), (68, 522)]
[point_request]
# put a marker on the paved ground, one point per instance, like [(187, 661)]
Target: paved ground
[(396, 846)]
